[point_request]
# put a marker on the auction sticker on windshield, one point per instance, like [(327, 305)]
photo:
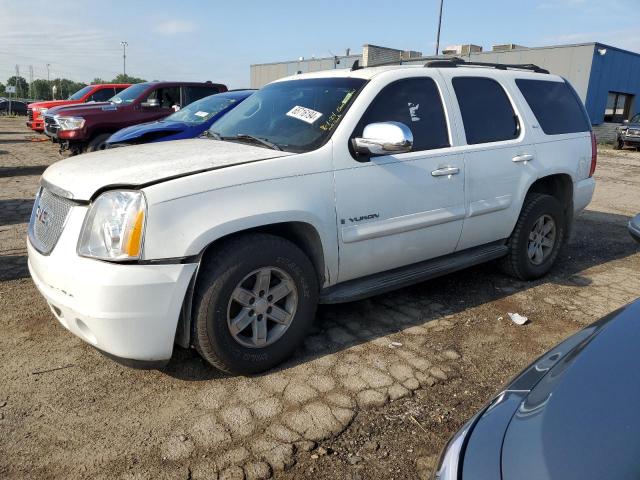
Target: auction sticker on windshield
[(305, 114), (201, 114)]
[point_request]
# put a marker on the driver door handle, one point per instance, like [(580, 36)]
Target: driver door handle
[(445, 171), (525, 157)]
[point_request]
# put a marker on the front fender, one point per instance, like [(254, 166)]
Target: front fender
[(185, 226)]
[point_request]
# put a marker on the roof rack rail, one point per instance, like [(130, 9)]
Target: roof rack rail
[(452, 62), (457, 62), (356, 65)]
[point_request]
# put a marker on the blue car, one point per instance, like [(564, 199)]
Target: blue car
[(188, 122)]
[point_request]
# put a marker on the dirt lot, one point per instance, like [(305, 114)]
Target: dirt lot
[(351, 404)]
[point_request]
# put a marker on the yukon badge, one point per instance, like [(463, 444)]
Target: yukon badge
[(371, 216)]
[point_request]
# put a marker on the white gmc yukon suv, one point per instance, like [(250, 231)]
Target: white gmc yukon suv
[(325, 187)]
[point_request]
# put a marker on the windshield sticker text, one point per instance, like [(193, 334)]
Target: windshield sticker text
[(201, 114), (337, 114), (413, 111), (305, 114)]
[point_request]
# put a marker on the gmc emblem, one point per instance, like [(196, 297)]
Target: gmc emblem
[(42, 215)]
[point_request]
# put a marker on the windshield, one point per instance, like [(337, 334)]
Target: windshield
[(128, 95), (202, 110), (296, 115), (80, 93)]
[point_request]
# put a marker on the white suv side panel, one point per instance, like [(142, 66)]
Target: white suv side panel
[(182, 223), (495, 182)]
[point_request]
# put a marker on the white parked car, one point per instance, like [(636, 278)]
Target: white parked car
[(324, 187)]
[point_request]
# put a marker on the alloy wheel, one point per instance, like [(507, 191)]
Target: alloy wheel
[(542, 239), (262, 307)]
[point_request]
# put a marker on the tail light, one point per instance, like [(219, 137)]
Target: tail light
[(594, 154)]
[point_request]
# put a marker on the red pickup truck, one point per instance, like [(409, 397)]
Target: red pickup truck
[(90, 93), (80, 128)]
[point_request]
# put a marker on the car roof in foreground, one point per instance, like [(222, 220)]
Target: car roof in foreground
[(582, 419), (367, 73)]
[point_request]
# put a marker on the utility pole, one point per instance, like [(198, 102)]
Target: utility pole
[(439, 25), (18, 90), (31, 81), (124, 57), (48, 65)]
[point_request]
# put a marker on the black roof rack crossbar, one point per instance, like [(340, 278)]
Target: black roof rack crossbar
[(456, 62)]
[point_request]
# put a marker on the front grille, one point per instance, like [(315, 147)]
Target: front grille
[(47, 220), (50, 124), (30, 114)]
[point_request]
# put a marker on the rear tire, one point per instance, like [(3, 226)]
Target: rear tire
[(618, 144), (537, 238), (99, 142), (235, 304)]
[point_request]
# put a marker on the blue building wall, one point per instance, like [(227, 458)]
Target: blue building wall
[(615, 71)]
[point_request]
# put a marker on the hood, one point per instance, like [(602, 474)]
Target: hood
[(137, 131), (83, 108), (582, 419), (53, 103), (82, 176)]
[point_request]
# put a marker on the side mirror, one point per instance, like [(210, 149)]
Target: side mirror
[(384, 138), (151, 103)]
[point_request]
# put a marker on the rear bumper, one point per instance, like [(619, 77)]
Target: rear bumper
[(128, 311), (634, 228), (583, 193)]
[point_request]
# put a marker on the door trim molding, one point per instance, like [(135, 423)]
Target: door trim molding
[(481, 207), (404, 223)]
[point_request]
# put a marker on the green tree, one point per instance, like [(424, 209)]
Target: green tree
[(1, 88), (65, 87), (22, 87), (41, 89), (122, 78), (97, 81)]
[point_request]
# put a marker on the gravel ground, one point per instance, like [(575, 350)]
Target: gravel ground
[(376, 391)]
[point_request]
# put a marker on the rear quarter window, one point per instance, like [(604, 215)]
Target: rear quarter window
[(555, 105)]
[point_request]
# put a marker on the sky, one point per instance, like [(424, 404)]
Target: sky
[(218, 41)]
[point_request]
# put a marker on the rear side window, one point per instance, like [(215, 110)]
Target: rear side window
[(191, 94), (415, 102), (555, 105), (487, 113), (102, 95)]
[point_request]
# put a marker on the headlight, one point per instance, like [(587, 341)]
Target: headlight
[(42, 110), (114, 226), (449, 464), (70, 123)]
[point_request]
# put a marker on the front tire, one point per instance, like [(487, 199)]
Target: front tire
[(255, 299), (99, 142), (537, 238)]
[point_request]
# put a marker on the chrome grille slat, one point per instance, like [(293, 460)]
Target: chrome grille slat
[(48, 218), (50, 124)]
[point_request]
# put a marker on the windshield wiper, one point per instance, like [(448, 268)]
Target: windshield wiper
[(210, 134), (244, 136)]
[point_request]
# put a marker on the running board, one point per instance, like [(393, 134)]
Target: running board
[(418, 272)]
